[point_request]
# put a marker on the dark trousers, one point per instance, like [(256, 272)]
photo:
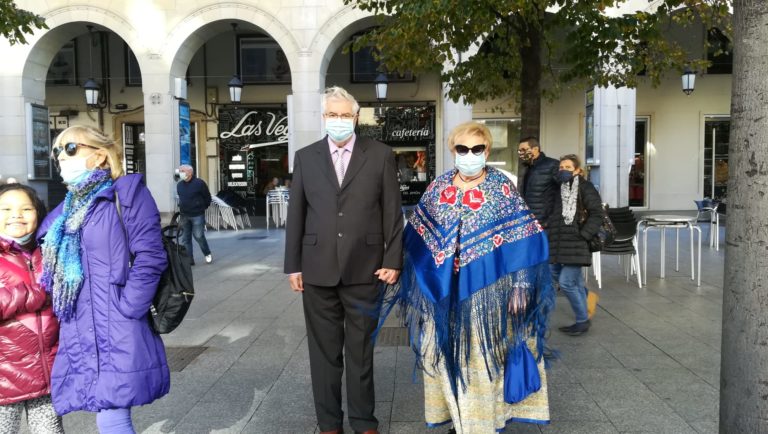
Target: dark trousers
[(340, 320), (194, 227)]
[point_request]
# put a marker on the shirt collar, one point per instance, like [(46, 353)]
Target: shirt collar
[(349, 146)]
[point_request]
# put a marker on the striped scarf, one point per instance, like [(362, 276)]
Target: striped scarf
[(62, 268)]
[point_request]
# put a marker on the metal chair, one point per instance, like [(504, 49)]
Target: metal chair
[(624, 245), (277, 206), (708, 212)]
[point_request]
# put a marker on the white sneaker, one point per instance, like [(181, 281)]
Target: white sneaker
[(208, 259)]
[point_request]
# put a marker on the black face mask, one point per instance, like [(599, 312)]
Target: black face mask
[(564, 176)]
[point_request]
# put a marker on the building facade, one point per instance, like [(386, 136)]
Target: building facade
[(163, 69)]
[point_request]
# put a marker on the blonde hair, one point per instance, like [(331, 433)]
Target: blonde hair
[(471, 128), (94, 137), (337, 92)]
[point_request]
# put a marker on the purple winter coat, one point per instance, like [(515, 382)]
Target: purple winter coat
[(108, 356)]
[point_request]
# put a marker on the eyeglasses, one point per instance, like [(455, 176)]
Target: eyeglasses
[(69, 149), (463, 150), (336, 116)]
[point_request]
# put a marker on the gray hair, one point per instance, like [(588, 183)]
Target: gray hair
[(187, 168), (336, 92)]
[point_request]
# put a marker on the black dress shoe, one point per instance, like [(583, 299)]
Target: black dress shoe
[(576, 329)]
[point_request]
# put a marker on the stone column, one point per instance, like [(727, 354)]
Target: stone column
[(453, 113), (614, 141), (161, 136)]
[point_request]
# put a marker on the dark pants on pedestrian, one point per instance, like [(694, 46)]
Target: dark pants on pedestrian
[(340, 321), (194, 227)]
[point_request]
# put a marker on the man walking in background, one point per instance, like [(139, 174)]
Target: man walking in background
[(344, 234), (538, 186), (194, 199)]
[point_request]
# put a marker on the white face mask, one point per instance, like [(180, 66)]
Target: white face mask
[(73, 170), (470, 164), (183, 176)]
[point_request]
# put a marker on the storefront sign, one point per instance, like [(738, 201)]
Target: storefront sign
[(409, 124), (235, 176), (252, 127)]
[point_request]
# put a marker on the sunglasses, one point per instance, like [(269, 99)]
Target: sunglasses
[(463, 150), (69, 149)]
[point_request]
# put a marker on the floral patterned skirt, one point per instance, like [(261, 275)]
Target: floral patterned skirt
[(481, 407)]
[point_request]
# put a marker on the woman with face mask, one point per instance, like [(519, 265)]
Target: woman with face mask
[(29, 332), (575, 219), (476, 288), (109, 359)]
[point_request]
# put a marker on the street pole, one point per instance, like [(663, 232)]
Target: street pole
[(744, 353)]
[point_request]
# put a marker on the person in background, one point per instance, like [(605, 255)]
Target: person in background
[(576, 218), (103, 256), (194, 199), (271, 185), (29, 332), (538, 185)]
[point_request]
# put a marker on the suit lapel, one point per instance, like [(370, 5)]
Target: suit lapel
[(356, 162), (326, 163)]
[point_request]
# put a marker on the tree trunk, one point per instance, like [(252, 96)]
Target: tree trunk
[(530, 84), (744, 353), (530, 81)]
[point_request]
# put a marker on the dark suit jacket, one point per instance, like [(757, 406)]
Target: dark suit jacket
[(344, 234)]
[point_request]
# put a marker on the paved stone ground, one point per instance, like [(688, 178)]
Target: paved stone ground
[(650, 363)]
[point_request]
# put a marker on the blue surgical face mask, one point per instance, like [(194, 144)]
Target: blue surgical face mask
[(339, 130), (470, 164), (564, 176), (22, 241), (73, 170)]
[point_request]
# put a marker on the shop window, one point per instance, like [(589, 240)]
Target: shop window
[(719, 52), (262, 61), (506, 134), (365, 68), (132, 71), (63, 68), (410, 131)]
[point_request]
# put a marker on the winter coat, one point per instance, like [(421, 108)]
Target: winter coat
[(28, 330), (539, 188), (108, 356), (568, 243), (194, 197)]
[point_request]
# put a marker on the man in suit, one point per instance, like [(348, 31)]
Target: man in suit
[(343, 236)]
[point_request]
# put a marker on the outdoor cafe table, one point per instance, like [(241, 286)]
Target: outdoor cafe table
[(664, 222)]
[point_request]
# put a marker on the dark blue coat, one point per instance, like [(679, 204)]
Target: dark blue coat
[(194, 197), (108, 356)]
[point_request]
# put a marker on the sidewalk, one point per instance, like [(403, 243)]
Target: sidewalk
[(650, 363)]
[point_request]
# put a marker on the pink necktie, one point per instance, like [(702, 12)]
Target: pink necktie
[(339, 164)]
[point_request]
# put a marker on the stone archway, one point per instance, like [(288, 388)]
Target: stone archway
[(184, 40), (25, 71)]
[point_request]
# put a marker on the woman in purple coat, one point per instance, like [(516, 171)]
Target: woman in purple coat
[(109, 360)]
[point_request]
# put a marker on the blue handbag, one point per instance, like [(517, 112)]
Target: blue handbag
[(521, 374)]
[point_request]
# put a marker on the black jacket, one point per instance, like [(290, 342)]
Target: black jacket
[(344, 233), (568, 243), (539, 188), (194, 197)]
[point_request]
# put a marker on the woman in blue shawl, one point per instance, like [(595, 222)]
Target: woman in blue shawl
[(476, 294)]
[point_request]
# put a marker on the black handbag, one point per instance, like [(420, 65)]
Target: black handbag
[(605, 235), (175, 290)]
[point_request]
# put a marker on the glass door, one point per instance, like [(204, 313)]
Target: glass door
[(638, 174), (716, 137)]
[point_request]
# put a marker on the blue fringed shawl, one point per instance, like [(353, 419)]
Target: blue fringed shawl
[(470, 256)]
